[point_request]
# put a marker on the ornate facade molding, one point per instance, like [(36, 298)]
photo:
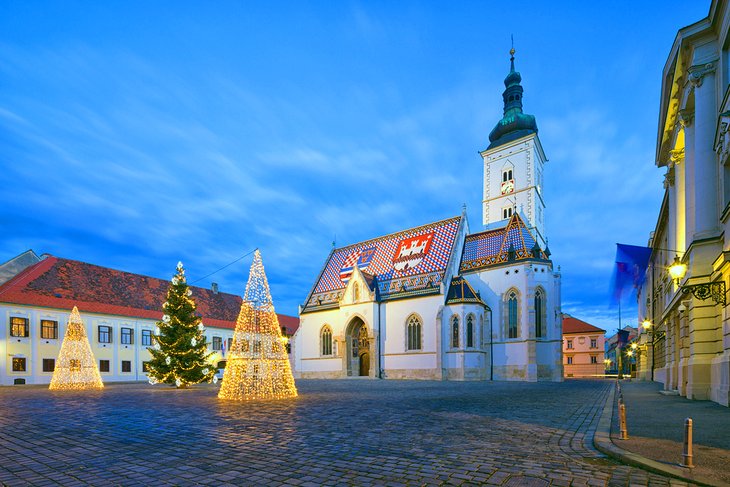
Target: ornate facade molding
[(676, 156), (699, 71), (722, 145), (669, 178), (685, 117)]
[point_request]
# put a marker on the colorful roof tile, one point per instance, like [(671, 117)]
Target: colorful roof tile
[(460, 291), (406, 263), (60, 283), (512, 242)]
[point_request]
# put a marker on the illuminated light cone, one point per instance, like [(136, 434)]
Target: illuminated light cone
[(76, 366), (258, 365)]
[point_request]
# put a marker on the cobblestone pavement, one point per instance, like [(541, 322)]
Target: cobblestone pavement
[(347, 432)]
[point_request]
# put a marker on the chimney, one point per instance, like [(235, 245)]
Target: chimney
[(214, 287)]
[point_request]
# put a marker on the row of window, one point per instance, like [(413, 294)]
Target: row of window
[(19, 327), (569, 343), (49, 365), (470, 332), (414, 327), (594, 359), (513, 306)]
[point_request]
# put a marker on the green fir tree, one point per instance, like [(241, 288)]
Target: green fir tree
[(179, 353)]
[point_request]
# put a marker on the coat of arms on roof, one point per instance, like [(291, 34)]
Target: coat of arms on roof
[(360, 257), (411, 252)]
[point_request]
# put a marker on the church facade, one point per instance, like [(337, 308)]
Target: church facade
[(439, 302)]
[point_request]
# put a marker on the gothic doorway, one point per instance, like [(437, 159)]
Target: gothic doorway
[(358, 348), (364, 364)]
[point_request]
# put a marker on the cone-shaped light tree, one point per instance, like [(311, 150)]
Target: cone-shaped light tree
[(179, 352), (258, 365), (76, 366)]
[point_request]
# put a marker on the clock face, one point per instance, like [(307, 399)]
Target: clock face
[(508, 186)]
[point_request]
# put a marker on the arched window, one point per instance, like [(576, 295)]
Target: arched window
[(356, 292), (326, 340), (539, 313), (512, 315), (470, 331), (455, 332), (414, 327)]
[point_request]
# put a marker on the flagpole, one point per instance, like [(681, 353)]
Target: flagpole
[(618, 342)]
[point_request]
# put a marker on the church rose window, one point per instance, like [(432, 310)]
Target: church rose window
[(414, 333)]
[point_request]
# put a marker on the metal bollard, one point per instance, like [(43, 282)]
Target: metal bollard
[(622, 421), (687, 451)]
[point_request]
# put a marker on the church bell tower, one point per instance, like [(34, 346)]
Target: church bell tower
[(513, 164)]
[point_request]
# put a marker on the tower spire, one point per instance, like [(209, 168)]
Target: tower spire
[(514, 123)]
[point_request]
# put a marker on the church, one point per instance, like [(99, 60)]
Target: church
[(440, 302)]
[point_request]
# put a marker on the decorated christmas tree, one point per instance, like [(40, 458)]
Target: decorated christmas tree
[(179, 351), (258, 365), (76, 366)]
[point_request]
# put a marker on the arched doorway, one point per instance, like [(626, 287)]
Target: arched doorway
[(358, 348)]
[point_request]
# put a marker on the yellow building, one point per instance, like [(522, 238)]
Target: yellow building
[(119, 310), (686, 341)]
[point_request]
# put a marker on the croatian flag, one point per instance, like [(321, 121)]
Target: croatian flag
[(223, 347), (630, 271)]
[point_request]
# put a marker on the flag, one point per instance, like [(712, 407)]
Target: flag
[(223, 347), (630, 270)]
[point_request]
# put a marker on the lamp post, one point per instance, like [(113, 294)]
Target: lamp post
[(647, 325), (606, 365)]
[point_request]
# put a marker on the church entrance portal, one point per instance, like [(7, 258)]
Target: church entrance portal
[(364, 364), (358, 349)]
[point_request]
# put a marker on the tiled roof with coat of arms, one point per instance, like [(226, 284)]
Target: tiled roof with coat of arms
[(504, 245), (408, 263), (60, 283)]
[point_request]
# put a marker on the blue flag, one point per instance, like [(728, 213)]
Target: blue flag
[(630, 271)]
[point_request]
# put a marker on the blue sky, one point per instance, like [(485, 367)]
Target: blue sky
[(137, 134)]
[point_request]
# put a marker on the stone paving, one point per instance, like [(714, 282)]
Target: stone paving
[(345, 432)]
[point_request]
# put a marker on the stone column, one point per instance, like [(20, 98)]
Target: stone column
[(702, 78)]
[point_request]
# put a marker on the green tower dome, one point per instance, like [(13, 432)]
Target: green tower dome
[(514, 123)]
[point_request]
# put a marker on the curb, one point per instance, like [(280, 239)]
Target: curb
[(602, 442)]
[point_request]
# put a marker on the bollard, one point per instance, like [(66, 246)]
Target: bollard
[(622, 421), (687, 451)]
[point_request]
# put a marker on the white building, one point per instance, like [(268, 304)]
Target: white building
[(687, 345), (120, 311), (438, 302)]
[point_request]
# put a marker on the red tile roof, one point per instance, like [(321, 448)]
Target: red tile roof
[(574, 325), (62, 284)]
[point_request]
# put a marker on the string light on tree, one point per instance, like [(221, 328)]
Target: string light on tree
[(179, 354), (258, 365), (76, 365)]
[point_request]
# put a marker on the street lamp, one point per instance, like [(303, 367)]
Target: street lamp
[(714, 290), (677, 270)]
